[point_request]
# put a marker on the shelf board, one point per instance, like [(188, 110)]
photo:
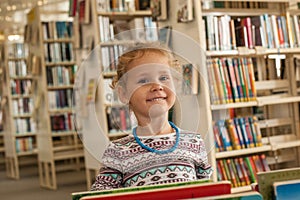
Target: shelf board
[(260, 101), (19, 96), (21, 77), (16, 58), (239, 12), (58, 40), (233, 105), (269, 123), (27, 153), (68, 148), (60, 63), (60, 110), (234, 153), (23, 115), (285, 145), (125, 15), (26, 134), (276, 99), (258, 51), (63, 133), (271, 84), (60, 87), (281, 159), (68, 154)]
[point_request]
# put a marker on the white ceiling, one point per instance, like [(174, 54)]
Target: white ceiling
[(13, 12)]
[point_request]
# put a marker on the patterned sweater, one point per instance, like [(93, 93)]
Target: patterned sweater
[(125, 163)]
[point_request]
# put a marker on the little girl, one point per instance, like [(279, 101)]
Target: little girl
[(157, 151)]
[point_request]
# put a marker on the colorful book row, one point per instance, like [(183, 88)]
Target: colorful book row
[(60, 99), (118, 119), (237, 133), (61, 75), (22, 87), (63, 122), (57, 29), (59, 52), (17, 50), (22, 106), (110, 56), (269, 31), (139, 28), (231, 80), (241, 171), (25, 125), (18, 68), (24, 144)]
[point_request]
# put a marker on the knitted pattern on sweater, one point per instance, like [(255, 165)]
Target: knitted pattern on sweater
[(126, 164)]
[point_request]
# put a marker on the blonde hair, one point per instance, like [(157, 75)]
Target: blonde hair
[(137, 51)]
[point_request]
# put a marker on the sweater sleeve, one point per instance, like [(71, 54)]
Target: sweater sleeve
[(204, 169), (108, 178), (110, 174)]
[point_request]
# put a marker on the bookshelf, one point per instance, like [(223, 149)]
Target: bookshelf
[(100, 44), (2, 64), (274, 99), (50, 38), (19, 128)]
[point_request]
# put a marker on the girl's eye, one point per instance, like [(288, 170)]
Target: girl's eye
[(164, 78), (143, 81)]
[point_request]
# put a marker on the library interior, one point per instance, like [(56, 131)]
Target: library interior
[(68, 130)]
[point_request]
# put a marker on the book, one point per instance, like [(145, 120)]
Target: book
[(210, 33), (239, 172), (233, 81), (200, 188), (213, 88), (287, 189), (250, 168), (250, 195), (227, 80), (233, 134), (227, 145), (244, 170), (217, 76), (267, 179), (84, 14)]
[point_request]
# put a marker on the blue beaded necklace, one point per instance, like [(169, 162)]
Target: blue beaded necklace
[(154, 150)]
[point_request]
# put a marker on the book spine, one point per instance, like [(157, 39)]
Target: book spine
[(224, 135), (233, 134)]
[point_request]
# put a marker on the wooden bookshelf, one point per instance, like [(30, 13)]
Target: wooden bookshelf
[(277, 97), (2, 65), (50, 39), (19, 129), (276, 94)]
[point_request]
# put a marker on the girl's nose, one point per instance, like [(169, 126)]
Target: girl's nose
[(156, 87)]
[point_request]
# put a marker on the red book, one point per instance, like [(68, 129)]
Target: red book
[(170, 192)]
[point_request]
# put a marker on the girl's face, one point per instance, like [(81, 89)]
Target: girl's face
[(149, 86)]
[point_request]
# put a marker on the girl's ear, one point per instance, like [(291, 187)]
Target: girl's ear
[(122, 94)]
